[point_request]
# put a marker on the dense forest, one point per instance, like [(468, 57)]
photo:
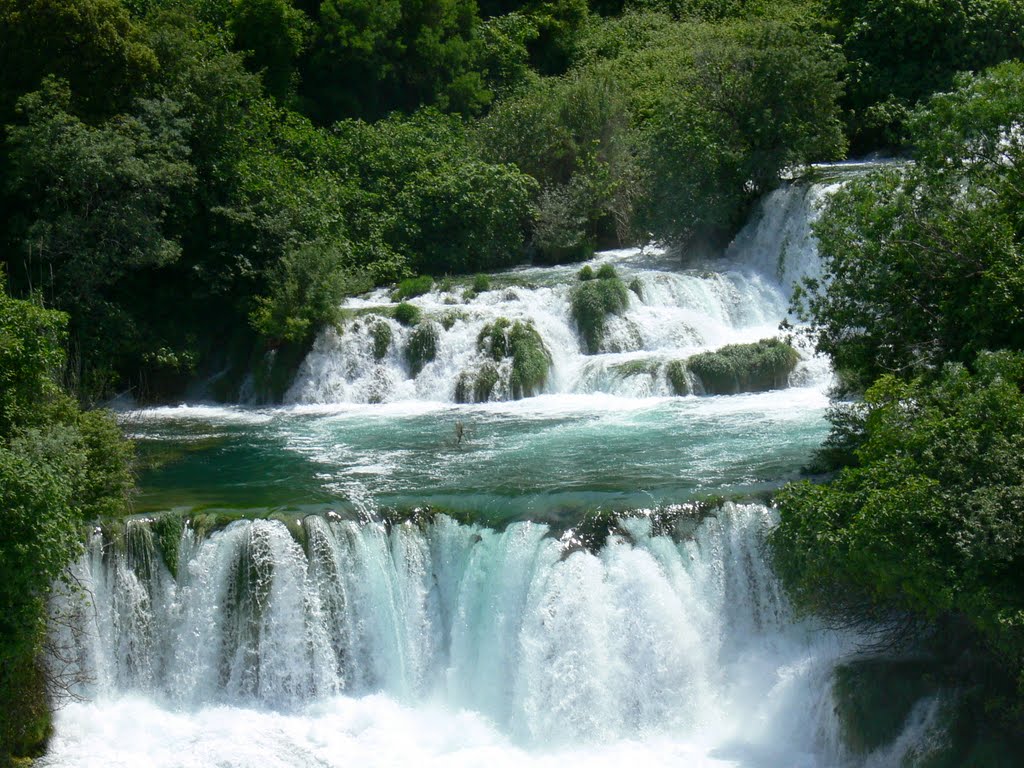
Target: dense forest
[(189, 185)]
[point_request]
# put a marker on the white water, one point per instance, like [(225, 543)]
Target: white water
[(447, 643), (677, 313)]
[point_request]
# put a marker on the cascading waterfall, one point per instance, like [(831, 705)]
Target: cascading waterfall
[(649, 635), (318, 639), (673, 314)]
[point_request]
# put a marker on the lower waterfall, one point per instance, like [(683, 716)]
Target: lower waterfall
[(517, 644)]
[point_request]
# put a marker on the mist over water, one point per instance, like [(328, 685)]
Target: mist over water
[(481, 632)]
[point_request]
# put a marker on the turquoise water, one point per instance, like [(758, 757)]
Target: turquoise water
[(546, 459)]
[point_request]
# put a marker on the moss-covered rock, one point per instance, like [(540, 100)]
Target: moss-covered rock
[(479, 386), (531, 361), (873, 698), (592, 301), (422, 347), (636, 367), (407, 314), (382, 335), (678, 379), (26, 723), (273, 371), (493, 339), (637, 287), (167, 530), (756, 367), (412, 287)]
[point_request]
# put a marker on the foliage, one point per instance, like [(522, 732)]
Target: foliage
[(521, 343), (95, 202), (92, 44), (677, 374), (58, 468), (369, 58), (929, 520), (591, 301), (273, 34), (756, 367), (922, 262), (421, 347), (382, 335), (306, 290), (899, 53), (407, 314), (477, 387), (874, 697), (481, 283), (168, 529), (732, 107), (466, 217), (571, 135), (412, 287)]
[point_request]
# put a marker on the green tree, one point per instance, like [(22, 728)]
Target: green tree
[(92, 44), (922, 262), (273, 34), (58, 468), (727, 113), (97, 201), (370, 58), (901, 52)]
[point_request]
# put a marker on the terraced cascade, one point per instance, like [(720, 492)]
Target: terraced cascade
[(483, 530)]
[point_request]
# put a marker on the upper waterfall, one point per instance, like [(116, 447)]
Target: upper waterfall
[(673, 313)]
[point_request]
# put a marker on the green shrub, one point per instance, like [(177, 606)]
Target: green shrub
[(167, 530), (412, 287), (477, 388), (382, 334), (756, 367), (306, 289), (587, 273), (422, 347), (676, 374), (531, 361), (927, 524), (59, 469), (407, 314), (591, 302), (606, 272), (521, 342), (481, 283), (493, 339)]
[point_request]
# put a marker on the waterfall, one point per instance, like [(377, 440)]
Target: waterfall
[(673, 313), (650, 634), (290, 635)]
